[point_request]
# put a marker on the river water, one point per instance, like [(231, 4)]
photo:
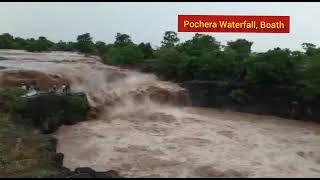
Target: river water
[(140, 137)]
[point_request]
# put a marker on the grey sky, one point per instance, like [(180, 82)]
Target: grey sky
[(147, 22)]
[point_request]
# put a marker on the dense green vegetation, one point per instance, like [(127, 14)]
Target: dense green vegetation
[(200, 58), (11, 100), (46, 111)]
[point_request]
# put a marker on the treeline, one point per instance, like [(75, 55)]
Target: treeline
[(200, 58), (7, 41)]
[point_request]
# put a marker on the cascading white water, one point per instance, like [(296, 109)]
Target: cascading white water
[(142, 132)]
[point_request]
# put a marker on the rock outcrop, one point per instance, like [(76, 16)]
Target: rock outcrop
[(86, 172)]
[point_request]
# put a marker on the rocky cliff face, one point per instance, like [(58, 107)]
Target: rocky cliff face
[(252, 98)]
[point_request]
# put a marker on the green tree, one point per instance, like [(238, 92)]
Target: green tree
[(44, 44), (32, 45), (85, 44), (20, 43), (236, 56), (124, 55), (242, 47), (309, 48), (62, 46), (199, 44), (101, 48), (311, 77), (6, 41), (169, 62), (39, 45), (201, 58), (122, 40), (170, 38), (277, 66), (147, 50)]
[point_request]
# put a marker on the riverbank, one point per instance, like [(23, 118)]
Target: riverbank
[(27, 147)]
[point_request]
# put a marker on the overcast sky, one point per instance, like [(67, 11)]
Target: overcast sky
[(147, 22)]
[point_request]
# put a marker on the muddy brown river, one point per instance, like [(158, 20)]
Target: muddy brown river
[(149, 139)]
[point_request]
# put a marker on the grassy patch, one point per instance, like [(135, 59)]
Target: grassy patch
[(23, 151)]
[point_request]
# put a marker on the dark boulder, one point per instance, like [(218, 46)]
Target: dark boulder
[(85, 170), (82, 175)]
